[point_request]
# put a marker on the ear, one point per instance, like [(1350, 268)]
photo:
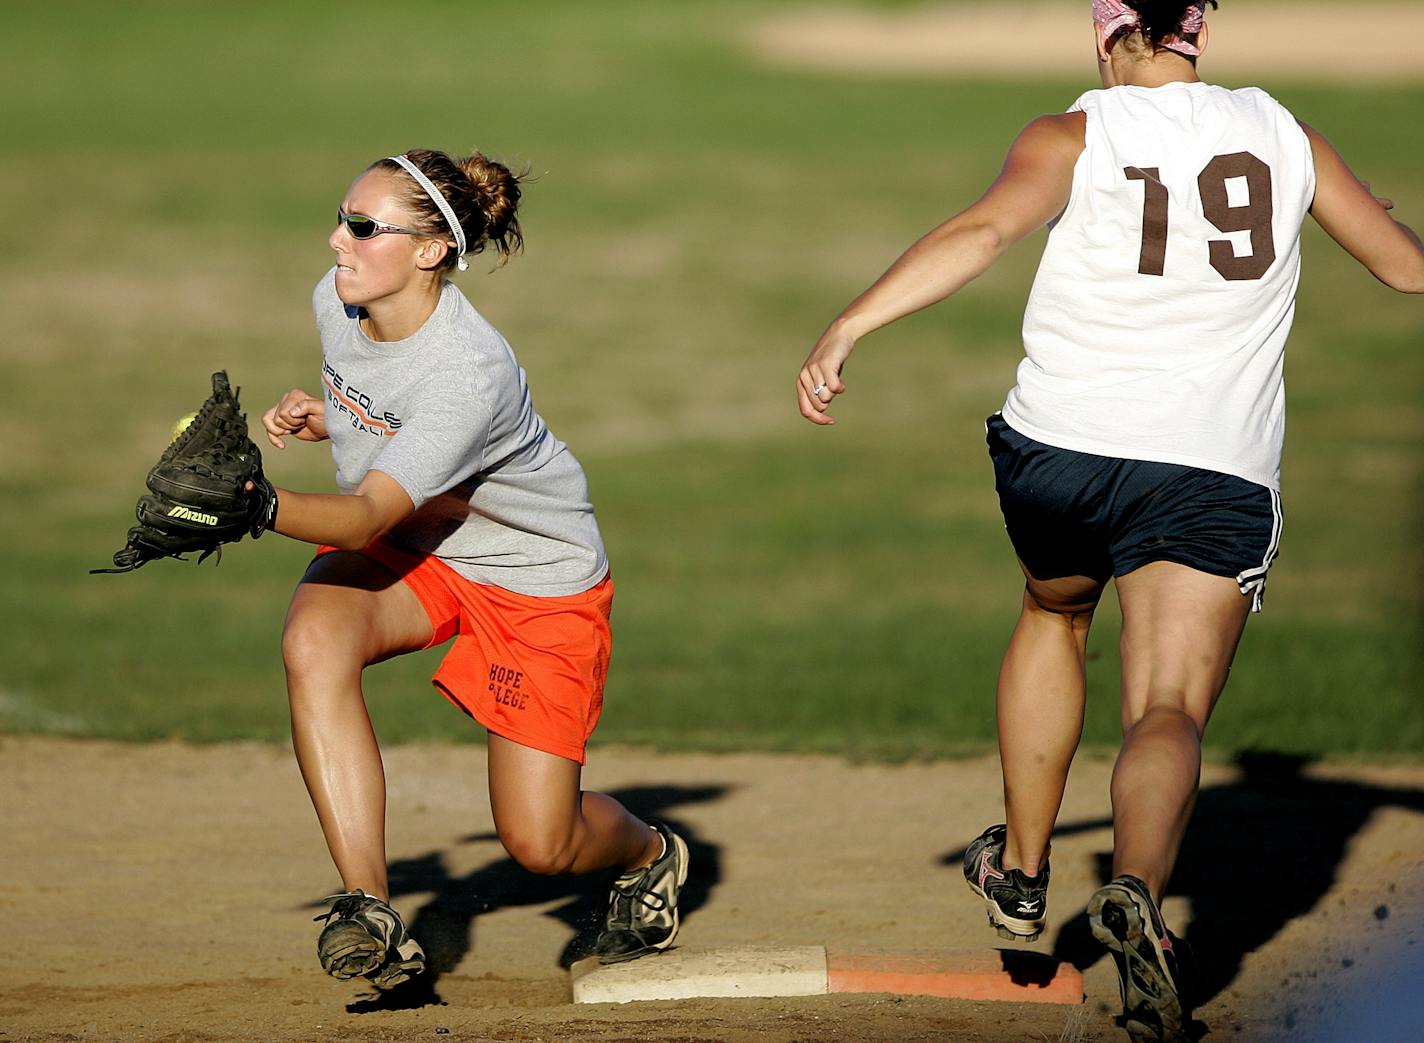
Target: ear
[(1202, 34), (1102, 44), (1105, 69), (430, 253)]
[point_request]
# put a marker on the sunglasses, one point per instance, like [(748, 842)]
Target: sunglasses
[(362, 227)]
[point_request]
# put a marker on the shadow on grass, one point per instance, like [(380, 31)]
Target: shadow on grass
[(1261, 851), (445, 925)]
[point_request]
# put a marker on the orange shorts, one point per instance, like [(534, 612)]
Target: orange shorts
[(530, 669)]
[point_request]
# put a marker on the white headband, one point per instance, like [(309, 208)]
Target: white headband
[(439, 200)]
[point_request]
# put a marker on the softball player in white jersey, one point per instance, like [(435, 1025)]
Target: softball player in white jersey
[(1142, 440)]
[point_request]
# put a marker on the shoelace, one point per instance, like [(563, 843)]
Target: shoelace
[(343, 905)]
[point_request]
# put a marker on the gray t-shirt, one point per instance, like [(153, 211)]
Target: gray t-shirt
[(447, 414)]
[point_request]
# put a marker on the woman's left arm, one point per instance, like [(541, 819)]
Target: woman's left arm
[(1032, 188), (342, 520), (1360, 221)]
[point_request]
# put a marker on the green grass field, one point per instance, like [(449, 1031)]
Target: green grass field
[(171, 172)]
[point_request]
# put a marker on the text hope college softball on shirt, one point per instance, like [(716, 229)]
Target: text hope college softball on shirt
[(355, 405)]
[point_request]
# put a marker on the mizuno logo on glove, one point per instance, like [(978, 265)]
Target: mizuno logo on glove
[(188, 514)]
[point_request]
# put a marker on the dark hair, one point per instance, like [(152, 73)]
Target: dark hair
[(1163, 18), (483, 192)]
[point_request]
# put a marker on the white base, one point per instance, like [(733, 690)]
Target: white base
[(681, 974)]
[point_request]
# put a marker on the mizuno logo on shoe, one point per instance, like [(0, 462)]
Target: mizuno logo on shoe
[(1028, 907), (188, 514)]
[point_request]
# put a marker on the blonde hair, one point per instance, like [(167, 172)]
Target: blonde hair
[(483, 193)]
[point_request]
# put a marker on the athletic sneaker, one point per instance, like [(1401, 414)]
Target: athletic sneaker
[(642, 909), (364, 937), (1126, 920), (1017, 902)]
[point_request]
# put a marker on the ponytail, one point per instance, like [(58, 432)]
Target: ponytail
[(1162, 21), (497, 193)]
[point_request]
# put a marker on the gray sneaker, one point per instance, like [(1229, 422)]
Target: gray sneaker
[(1125, 918), (642, 909), (365, 938)]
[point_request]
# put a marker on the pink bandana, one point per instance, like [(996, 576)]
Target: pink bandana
[(1113, 17)]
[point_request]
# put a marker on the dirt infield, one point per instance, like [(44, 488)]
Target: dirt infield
[(1266, 40), (165, 892)]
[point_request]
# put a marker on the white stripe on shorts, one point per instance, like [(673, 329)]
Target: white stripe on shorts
[(1253, 581)]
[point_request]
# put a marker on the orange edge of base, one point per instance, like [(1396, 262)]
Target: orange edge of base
[(971, 978)]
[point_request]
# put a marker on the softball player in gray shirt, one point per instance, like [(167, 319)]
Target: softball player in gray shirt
[(460, 518)]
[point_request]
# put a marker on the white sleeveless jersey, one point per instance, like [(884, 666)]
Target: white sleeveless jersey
[(1157, 323)]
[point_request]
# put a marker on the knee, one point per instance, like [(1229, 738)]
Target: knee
[(301, 643), (314, 644), (539, 851)]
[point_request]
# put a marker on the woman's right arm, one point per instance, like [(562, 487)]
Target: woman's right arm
[(1032, 189), (1358, 221)]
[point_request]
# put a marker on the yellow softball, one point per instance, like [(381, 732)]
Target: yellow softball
[(181, 426)]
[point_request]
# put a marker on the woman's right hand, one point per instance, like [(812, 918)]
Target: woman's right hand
[(820, 378), (297, 414)]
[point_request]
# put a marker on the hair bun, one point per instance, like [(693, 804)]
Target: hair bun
[(497, 192)]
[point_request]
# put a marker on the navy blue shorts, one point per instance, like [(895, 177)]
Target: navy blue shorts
[(1077, 514)]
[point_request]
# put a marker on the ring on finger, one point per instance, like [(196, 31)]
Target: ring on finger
[(818, 389)]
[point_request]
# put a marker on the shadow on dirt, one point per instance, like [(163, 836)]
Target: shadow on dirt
[(445, 925), (1260, 851)]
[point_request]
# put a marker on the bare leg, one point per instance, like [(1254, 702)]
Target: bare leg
[(551, 827), (348, 612), (1180, 630), (1042, 688)]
